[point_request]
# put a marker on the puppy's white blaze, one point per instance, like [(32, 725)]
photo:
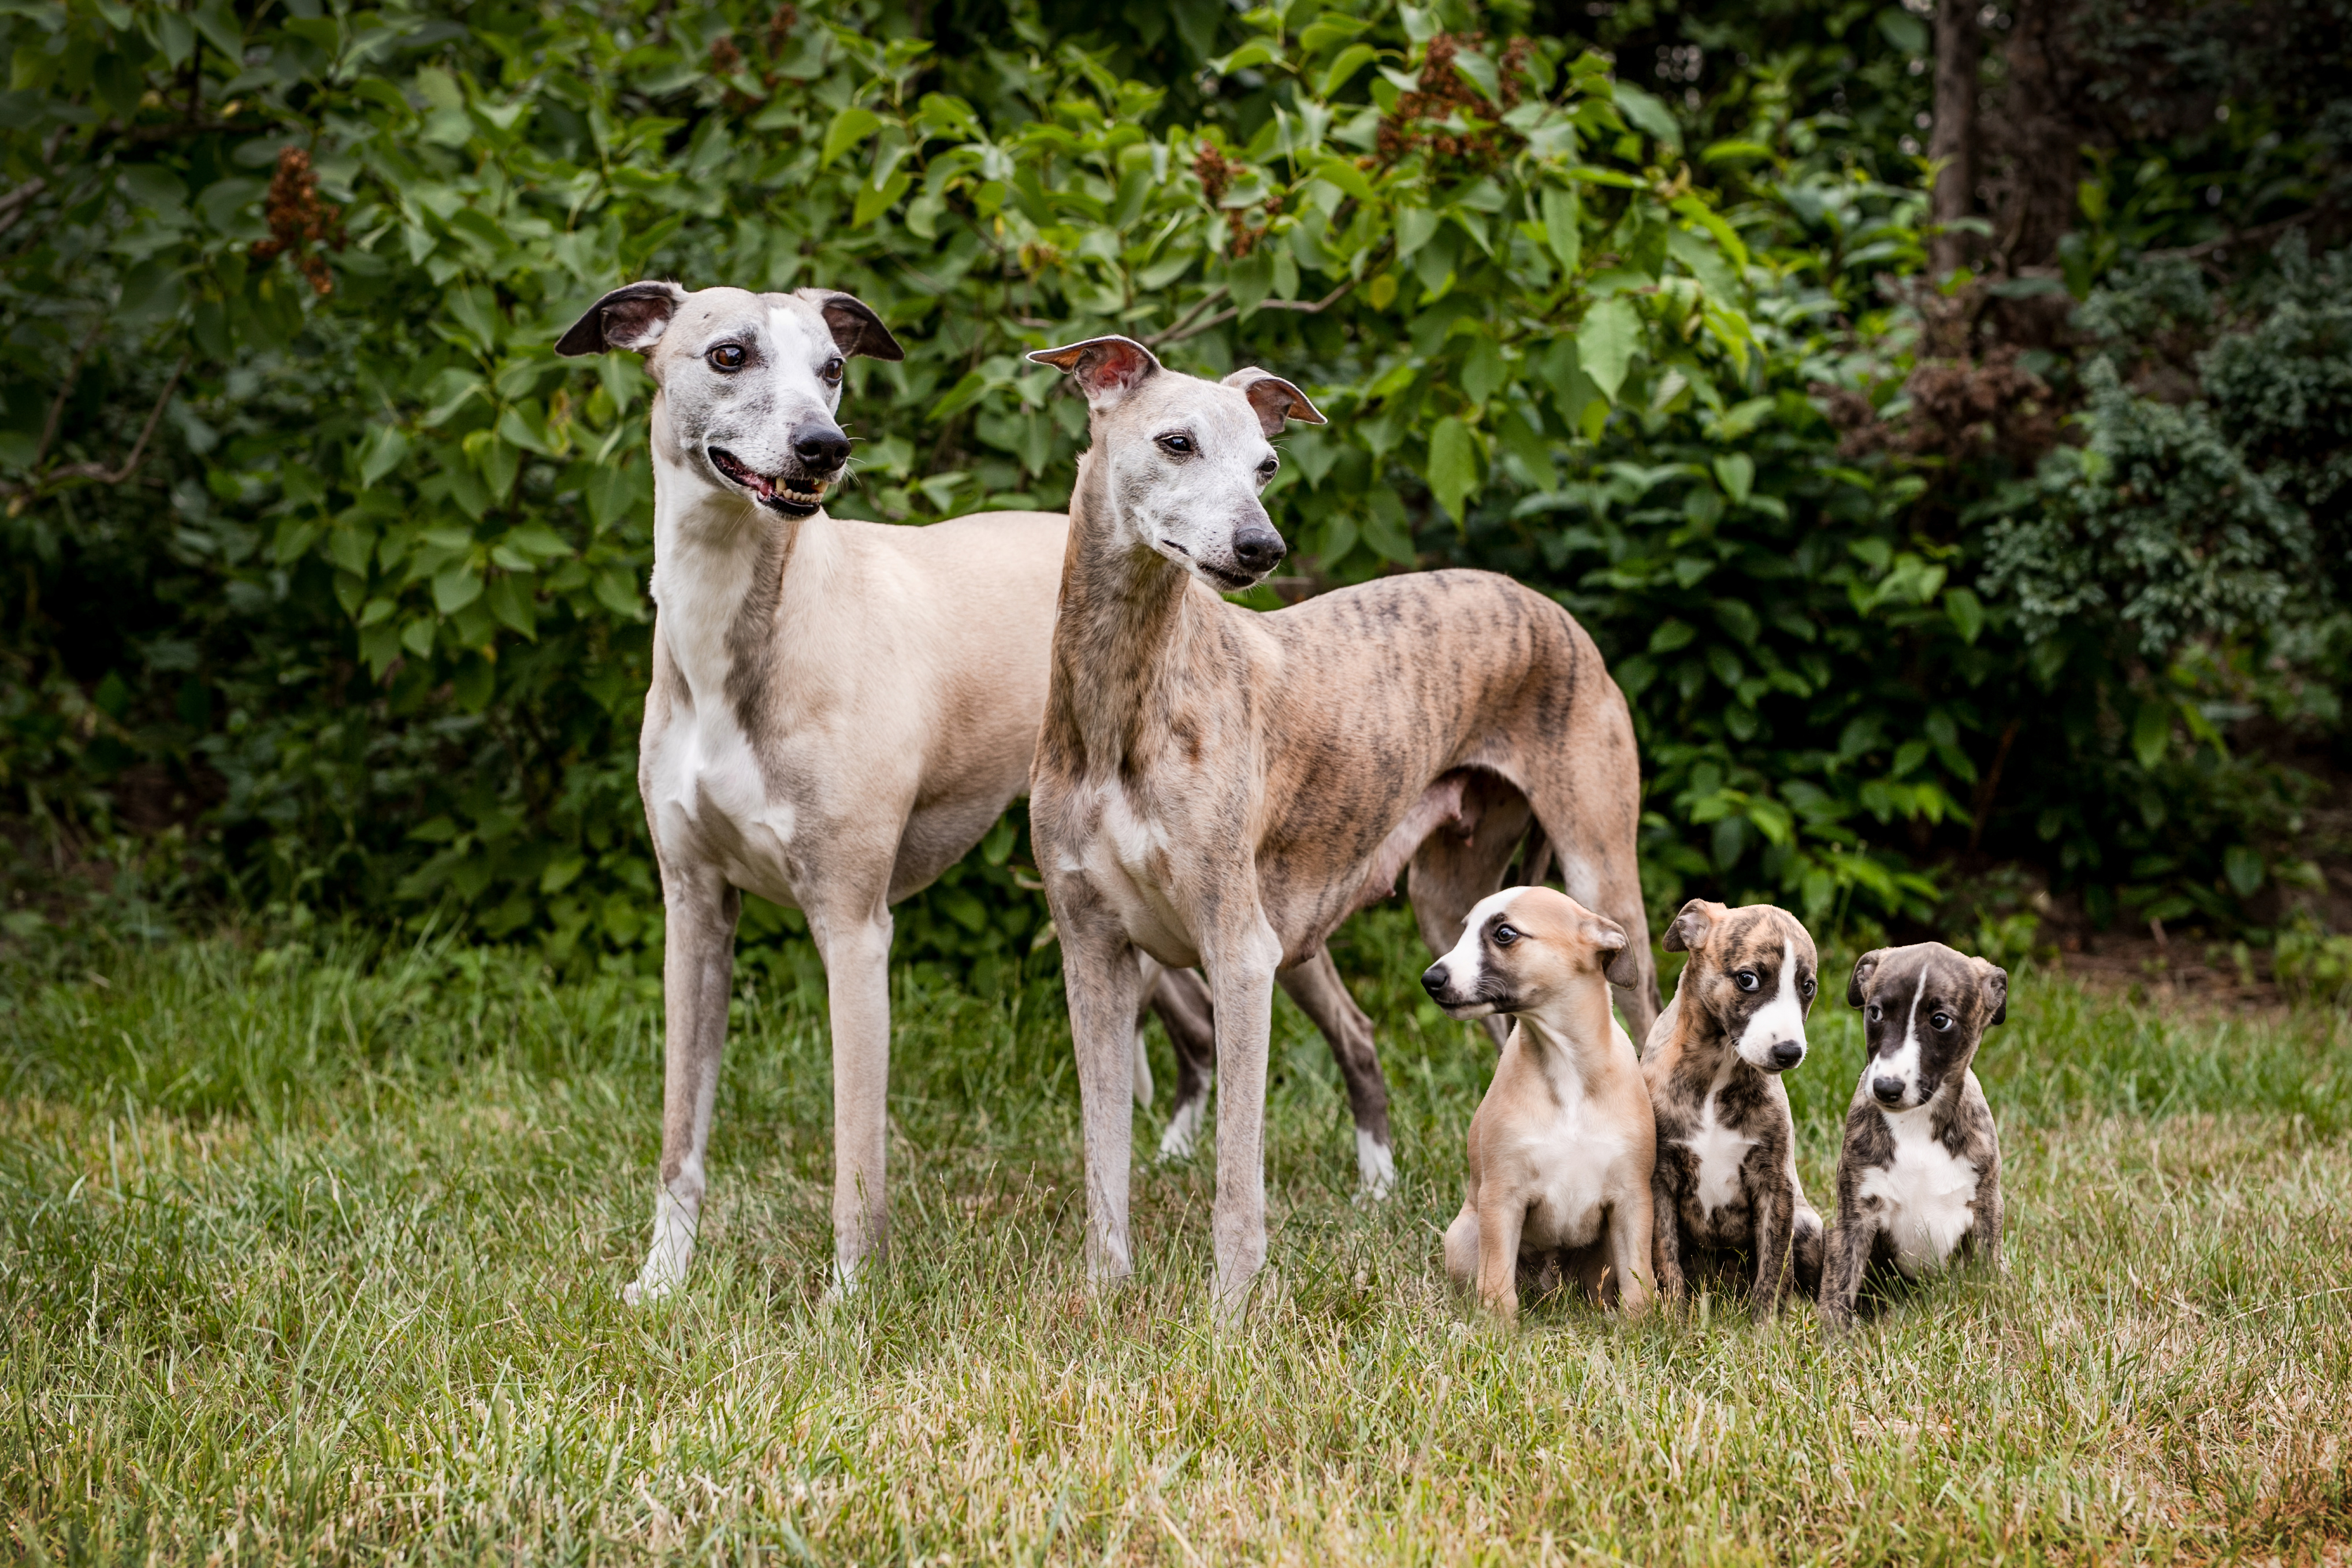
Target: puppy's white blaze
[(1183, 1131), (1375, 1166), (1781, 1018), (1904, 1063), (1928, 1191)]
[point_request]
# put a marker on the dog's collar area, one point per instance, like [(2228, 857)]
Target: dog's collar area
[(773, 491)]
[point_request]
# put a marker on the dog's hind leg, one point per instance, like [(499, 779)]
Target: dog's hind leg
[(854, 938), (697, 978), (1181, 998), (1315, 985), (1458, 865), (1594, 828)]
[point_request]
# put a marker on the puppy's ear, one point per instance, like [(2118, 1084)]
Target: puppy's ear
[(1617, 953), (1105, 369), (1864, 968), (1996, 990), (856, 330), (1692, 927), (1275, 399), (630, 317)]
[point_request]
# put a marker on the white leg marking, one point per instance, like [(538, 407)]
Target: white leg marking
[(675, 1223), (1184, 1133), (1375, 1167)]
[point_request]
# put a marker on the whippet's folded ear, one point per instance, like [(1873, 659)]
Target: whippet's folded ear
[(633, 316), (1275, 399), (1692, 927), (1867, 965), (1617, 953), (1105, 369), (1996, 989), (856, 330)]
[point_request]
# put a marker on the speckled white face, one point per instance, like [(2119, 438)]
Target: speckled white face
[(751, 381)]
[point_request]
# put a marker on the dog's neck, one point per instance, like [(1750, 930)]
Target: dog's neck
[(1128, 616), (1571, 1044), (721, 566)]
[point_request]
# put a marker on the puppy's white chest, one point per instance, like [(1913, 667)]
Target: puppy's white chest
[(1928, 1194), (1579, 1152), (1720, 1152)]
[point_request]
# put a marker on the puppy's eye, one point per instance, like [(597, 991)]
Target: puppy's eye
[(1941, 1020), (1806, 987), (1176, 445), (1505, 936), (832, 371), (1876, 1013), (727, 356), (1746, 980)]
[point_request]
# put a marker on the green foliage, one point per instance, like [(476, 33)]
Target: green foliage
[(333, 564)]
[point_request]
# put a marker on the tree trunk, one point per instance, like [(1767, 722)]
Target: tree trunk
[(1952, 144)]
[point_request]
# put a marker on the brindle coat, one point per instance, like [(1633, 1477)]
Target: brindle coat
[(1727, 1204), (1919, 1174), (1215, 785)]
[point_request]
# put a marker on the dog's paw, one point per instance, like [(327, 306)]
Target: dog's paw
[(648, 1288), (1376, 1172), (1183, 1133)]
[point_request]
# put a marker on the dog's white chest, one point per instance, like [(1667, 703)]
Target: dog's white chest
[(1720, 1152), (710, 804), (1928, 1194), (1579, 1150), (1125, 852)]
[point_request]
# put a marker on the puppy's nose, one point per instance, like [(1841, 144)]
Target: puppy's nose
[(1887, 1089), (1257, 548), (821, 451), (1788, 1053), (1432, 979)]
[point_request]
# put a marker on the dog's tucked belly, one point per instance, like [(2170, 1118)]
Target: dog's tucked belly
[(709, 806), (1928, 1195)]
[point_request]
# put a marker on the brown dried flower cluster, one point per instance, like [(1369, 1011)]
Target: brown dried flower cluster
[(1442, 93), (300, 226), (1958, 408), (1217, 174)]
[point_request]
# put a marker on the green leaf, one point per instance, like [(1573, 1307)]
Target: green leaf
[(1415, 227), (1607, 342), (1647, 112), (1966, 612), (1736, 473), (1562, 230), (2244, 869), (2151, 731), (850, 127), (1452, 464), (1479, 71), (1352, 59), (1905, 31)]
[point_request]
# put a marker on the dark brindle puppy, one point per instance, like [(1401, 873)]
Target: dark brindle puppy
[(1919, 1177), (1728, 1204)]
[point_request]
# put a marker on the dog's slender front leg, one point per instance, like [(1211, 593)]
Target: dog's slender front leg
[(1665, 1237), (854, 938), (1849, 1256), (1775, 1231), (1105, 983), (1243, 980), (697, 977), (1632, 1250), (1501, 1218), (1323, 996), (1984, 1236)]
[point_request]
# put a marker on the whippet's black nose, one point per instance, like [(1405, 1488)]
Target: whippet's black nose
[(1257, 548), (1787, 1053), (1432, 979), (821, 451), (1887, 1089)]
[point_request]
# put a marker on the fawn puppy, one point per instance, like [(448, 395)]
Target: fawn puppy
[(1919, 1174), (1727, 1200), (1562, 1147)]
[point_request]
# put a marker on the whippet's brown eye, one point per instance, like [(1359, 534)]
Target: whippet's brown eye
[(1746, 979), (1267, 470), (727, 356), (1505, 936), (832, 368), (1941, 1020), (1874, 1012)]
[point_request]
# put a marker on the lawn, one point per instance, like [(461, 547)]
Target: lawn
[(314, 1254)]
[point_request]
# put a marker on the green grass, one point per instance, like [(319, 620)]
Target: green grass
[(307, 1257)]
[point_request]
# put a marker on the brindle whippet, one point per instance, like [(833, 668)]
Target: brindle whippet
[(839, 710), (1223, 787)]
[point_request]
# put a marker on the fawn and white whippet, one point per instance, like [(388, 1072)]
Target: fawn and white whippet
[(1220, 787), (838, 712)]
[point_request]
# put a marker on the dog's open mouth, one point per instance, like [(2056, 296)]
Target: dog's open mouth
[(773, 491), (1230, 582)]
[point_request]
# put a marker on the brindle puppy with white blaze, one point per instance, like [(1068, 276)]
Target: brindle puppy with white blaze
[(1728, 1202), (1562, 1146), (839, 710), (1919, 1174), (1219, 786)]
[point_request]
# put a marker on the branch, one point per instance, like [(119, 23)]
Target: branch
[(2255, 236), (12, 206), (1210, 298), (73, 373), (100, 472), (1173, 335)]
